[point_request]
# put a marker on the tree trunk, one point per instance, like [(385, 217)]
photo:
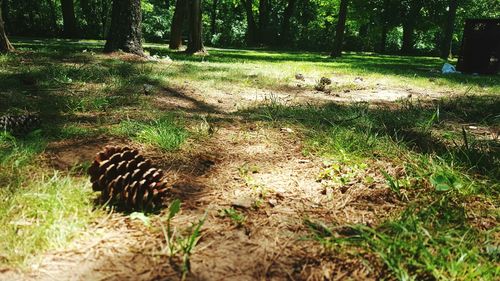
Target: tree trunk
[(251, 25), (409, 22), (448, 29), (408, 29), (213, 20), (53, 16), (5, 13), (125, 30), (69, 19), (105, 8), (264, 35), (5, 45), (340, 29), (195, 42), (180, 13), (285, 27), (383, 38), (167, 4)]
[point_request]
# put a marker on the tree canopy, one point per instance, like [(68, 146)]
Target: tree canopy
[(410, 26)]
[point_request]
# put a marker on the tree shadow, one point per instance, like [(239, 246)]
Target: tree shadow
[(361, 128)]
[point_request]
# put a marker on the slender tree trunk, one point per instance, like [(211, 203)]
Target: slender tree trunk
[(53, 16), (408, 30), (69, 19), (252, 26), (180, 13), (448, 29), (125, 31), (5, 45), (105, 11), (195, 43), (409, 21), (285, 27), (264, 35), (5, 13), (213, 19), (383, 38), (340, 29)]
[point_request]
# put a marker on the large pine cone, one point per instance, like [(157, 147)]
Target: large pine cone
[(126, 179), (19, 124)]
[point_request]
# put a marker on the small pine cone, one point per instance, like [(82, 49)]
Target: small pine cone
[(19, 124), (126, 179), (325, 81)]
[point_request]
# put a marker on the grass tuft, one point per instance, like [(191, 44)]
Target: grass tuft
[(166, 133)]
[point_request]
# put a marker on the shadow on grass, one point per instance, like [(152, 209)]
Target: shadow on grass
[(404, 66), (365, 131)]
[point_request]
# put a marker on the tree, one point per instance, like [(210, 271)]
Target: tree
[(251, 25), (448, 29), (69, 19), (213, 17), (195, 42), (285, 26), (264, 16), (5, 45), (410, 18), (180, 13), (125, 31), (340, 29)]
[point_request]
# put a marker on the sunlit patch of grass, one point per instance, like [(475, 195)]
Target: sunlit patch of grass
[(166, 132), (15, 155), (39, 210), (44, 213)]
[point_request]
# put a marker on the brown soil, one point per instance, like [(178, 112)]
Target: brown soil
[(259, 171)]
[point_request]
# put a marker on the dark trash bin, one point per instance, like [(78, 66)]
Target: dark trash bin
[(480, 51)]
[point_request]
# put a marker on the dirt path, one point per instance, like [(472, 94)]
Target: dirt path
[(259, 171)]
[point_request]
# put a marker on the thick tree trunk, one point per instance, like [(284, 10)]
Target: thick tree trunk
[(125, 30), (340, 29), (195, 43), (264, 36), (213, 19), (252, 26), (180, 14), (285, 27), (5, 45), (448, 29), (69, 19)]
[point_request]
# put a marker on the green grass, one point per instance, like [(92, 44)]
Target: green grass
[(427, 242), (166, 133), (39, 209), (45, 213), (432, 239), (85, 94)]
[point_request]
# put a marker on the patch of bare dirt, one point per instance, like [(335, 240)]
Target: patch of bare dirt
[(67, 154)]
